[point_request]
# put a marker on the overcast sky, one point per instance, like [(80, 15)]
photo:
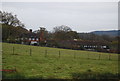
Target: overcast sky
[(80, 16)]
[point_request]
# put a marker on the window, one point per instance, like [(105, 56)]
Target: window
[(85, 46), (37, 39), (29, 38), (104, 47), (33, 38)]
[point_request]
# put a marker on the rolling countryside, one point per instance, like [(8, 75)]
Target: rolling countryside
[(35, 62)]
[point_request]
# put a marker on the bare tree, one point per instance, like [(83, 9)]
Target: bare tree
[(62, 28), (64, 33), (10, 19)]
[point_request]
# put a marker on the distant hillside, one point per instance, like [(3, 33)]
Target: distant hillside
[(112, 33)]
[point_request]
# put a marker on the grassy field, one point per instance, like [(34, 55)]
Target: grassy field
[(52, 63)]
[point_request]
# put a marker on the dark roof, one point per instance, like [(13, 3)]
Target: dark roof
[(30, 35)]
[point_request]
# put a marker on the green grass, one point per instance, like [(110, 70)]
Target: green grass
[(72, 64)]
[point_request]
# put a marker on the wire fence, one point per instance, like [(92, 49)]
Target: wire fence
[(58, 53), (39, 53)]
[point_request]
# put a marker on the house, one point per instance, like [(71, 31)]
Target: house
[(80, 45), (30, 38)]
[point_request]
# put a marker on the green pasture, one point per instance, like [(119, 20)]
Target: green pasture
[(35, 62)]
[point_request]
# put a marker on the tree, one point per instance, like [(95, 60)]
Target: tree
[(64, 33), (12, 27), (61, 28), (107, 38), (72, 35), (60, 32), (10, 19), (10, 33)]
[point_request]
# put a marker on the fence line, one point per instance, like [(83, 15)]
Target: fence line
[(71, 54)]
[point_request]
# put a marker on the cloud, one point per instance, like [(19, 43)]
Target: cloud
[(81, 16)]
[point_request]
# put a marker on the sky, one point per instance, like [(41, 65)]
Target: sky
[(79, 16)]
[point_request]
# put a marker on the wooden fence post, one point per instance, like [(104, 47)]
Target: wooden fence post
[(59, 54), (30, 52)]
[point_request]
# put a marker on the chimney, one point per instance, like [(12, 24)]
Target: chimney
[(30, 30), (42, 29)]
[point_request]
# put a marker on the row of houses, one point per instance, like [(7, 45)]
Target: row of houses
[(79, 44), (38, 39)]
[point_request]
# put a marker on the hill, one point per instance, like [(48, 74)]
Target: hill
[(111, 33), (35, 62)]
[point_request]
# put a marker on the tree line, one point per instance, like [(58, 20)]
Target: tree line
[(13, 28)]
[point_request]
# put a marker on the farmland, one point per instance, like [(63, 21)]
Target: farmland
[(33, 62)]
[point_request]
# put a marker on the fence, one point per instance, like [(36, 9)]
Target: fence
[(58, 53)]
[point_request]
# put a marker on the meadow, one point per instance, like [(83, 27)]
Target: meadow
[(35, 62)]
